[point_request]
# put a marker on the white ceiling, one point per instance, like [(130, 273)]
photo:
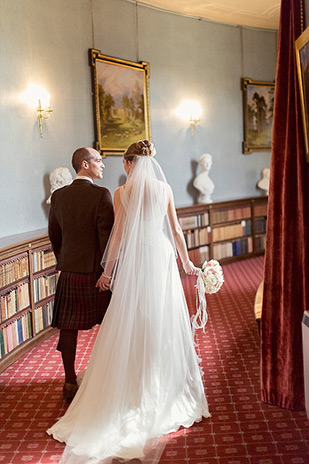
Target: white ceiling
[(251, 13)]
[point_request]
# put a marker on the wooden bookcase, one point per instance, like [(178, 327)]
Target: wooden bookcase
[(27, 287), (226, 231)]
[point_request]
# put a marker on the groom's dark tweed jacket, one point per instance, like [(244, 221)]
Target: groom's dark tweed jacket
[(80, 221)]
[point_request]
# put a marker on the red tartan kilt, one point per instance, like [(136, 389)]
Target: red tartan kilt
[(78, 304)]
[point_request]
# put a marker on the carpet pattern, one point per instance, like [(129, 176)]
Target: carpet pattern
[(242, 429)]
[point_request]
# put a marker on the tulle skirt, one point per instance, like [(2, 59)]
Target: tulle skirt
[(143, 378)]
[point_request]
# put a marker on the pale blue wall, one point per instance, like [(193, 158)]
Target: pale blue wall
[(47, 43)]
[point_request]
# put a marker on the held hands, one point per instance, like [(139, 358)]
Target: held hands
[(103, 283), (189, 268)]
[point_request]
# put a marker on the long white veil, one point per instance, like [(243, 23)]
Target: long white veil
[(142, 211)]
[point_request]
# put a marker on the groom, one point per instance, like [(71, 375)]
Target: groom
[(80, 221)]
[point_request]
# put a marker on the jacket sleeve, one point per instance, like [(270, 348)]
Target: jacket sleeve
[(105, 219), (54, 229)]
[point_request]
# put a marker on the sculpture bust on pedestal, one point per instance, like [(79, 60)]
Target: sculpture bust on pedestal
[(263, 183), (59, 177), (202, 182)]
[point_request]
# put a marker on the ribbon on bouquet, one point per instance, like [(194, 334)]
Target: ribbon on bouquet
[(209, 280), (199, 320)]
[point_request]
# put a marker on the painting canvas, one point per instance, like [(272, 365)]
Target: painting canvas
[(121, 102), (302, 58), (258, 106)]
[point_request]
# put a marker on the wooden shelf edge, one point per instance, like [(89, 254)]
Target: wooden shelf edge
[(195, 228), (18, 352), (44, 301), (13, 285), (45, 271), (199, 246), (230, 259), (234, 239), (231, 222), (24, 242), (15, 316), (203, 207)]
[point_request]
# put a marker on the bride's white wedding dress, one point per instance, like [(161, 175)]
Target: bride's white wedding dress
[(143, 379)]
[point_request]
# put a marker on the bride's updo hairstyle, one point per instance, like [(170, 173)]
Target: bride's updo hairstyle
[(140, 148)]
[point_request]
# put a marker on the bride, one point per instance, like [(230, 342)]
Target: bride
[(143, 379)]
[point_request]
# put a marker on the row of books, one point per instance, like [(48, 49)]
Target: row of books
[(15, 333), (197, 256), (43, 259), (260, 243), (260, 225), (43, 316), (225, 215), (189, 222), (241, 247), (232, 231), (235, 248), (13, 270), (14, 301), (260, 210), (44, 286), (197, 237)]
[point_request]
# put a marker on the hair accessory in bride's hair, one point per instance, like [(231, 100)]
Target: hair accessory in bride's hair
[(209, 280), (145, 148), (152, 149)]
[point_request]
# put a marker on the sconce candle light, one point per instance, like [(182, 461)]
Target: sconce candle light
[(190, 111), (194, 122), (38, 98), (43, 113)]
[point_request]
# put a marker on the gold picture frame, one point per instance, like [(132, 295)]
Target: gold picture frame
[(120, 90), (258, 105), (302, 61)]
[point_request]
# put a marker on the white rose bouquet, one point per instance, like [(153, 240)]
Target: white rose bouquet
[(212, 276), (209, 280)]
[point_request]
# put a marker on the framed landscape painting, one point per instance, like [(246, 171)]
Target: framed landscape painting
[(120, 90), (302, 59), (258, 107)]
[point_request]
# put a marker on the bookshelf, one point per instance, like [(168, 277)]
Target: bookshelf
[(226, 231), (27, 286)]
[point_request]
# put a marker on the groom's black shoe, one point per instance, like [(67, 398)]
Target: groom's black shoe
[(69, 391)]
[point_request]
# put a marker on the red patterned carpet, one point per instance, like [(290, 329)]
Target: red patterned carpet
[(242, 429)]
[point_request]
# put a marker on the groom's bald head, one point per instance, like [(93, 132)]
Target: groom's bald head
[(81, 154)]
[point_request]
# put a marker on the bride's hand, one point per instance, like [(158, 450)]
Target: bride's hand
[(189, 268), (103, 283)]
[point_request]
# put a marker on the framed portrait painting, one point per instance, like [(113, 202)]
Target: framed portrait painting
[(302, 59), (120, 90), (258, 106)]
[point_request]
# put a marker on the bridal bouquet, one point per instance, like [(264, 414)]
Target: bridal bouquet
[(209, 280), (212, 276)]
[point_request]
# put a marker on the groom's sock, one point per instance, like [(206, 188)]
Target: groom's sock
[(67, 345)]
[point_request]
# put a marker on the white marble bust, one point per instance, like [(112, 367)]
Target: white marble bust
[(59, 177), (263, 183), (202, 182)]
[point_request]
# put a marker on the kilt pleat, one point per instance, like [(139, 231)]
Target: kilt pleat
[(78, 304)]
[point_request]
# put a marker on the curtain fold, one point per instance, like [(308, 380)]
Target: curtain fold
[(286, 255)]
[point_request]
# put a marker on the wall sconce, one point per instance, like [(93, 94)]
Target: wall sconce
[(194, 122), (43, 113), (190, 111), (38, 98)]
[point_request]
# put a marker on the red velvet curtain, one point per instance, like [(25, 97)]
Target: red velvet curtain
[(286, 260)]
